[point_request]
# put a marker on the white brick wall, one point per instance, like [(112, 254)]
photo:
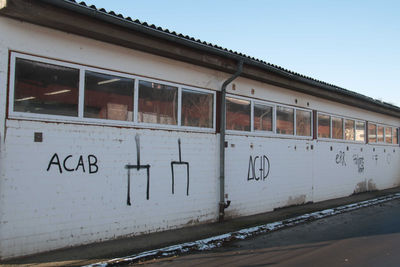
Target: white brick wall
[(43, 210)]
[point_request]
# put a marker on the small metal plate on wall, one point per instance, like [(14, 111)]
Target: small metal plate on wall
[(38, 137)]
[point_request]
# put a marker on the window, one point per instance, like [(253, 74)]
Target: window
[(349, 129), (108, 97), (324, 126), (360, 131), (396, 137), (371, 133), (263, 117), (337, 128), (197, 109), (158, 103), (45, 88), (388, 135), (303, 123), (381, 134), (238, 114), (284, 120)]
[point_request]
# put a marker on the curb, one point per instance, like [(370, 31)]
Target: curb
[(219, 240)]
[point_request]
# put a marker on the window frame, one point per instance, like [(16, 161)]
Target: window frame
[(81, 98), (344, 118), (272, 133), (311, 122)]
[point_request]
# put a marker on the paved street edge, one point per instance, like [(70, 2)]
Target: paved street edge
[(219, 240)]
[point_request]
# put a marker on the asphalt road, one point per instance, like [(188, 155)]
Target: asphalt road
[(364, 237)]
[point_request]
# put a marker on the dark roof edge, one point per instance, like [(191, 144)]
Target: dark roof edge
[(187, 41)]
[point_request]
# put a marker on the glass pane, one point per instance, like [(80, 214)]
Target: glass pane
[(371, 133), (360, 131), (380, 134), (324, 126), (388, 134), (108, 97), (303, 123), (197, 109), (237, 114), (284, 120), (349, 129), (337, 128), (158, 103), (262, 117), (396, 137), (45, 88)]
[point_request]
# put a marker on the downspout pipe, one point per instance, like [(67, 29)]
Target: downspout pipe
[(222, 204)]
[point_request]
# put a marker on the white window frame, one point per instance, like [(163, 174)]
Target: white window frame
[(81, 98), (264, 103), (272, 133), (343, 129), (312, 124)]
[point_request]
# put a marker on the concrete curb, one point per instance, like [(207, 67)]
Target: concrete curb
[(219, 240)]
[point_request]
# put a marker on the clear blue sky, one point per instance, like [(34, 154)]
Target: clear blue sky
[(352, 44)]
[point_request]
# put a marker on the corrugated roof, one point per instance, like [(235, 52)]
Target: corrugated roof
[(188, 38)]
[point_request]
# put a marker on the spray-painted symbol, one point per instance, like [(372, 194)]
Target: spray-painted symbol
[(359, 161), (340, 158), (264, 168), (375, 158), (137, 167), (180, 162)]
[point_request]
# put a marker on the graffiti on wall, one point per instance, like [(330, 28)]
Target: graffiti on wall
[(180, 162), (389, 158), (340, 158), (359, 161), (137, 167), (259, 168), (375, 158), (71, 164)]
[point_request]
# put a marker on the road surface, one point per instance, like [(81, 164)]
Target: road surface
[(364, 237)]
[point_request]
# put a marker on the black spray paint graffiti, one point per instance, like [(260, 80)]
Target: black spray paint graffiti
[(359, 161), (264, 168), (375, 158), (340, 158), (180, 162), (69, 167), (389, 158), (137, 167)]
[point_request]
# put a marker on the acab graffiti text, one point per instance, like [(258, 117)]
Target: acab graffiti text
[(69, 164)]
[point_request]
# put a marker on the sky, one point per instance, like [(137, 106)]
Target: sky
[(352, 44)]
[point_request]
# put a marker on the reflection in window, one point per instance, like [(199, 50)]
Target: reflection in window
[(237, 114), (108, 97), (396, 136), (360, 131), (380, 134), (303, 123), (158, 103), (388, 135), (371, 133), (197, 109), (262, 117), (349, 130), (284, 120), (337, 128), (324, 126), (45, 88)]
